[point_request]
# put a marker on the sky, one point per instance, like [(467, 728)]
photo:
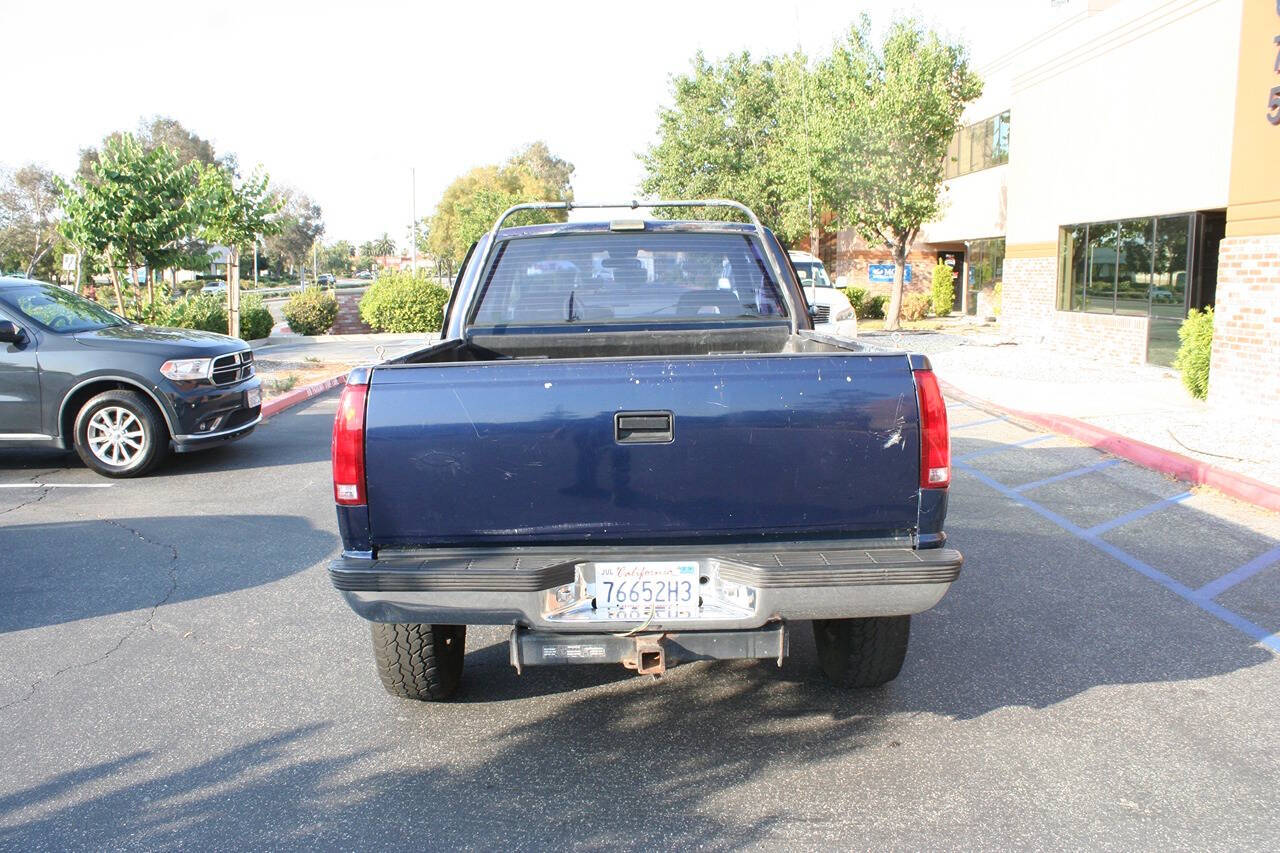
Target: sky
[(343, 100)]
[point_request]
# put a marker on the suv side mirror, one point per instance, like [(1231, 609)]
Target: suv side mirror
[(11, 332)]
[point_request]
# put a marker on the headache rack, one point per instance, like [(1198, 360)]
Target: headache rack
[(633, 204)]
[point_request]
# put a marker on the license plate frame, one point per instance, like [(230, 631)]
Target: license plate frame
[(647, 590), (253, 397)]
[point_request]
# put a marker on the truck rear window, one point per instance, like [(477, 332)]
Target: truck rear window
[(629, 278)]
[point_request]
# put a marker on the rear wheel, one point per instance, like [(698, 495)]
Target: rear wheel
[(862, 652), (120, 434), (421, 662)]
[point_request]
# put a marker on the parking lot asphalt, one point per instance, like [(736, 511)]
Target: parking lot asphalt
[(175, 670)]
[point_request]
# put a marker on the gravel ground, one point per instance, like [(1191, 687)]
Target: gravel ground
[(1144, 402)]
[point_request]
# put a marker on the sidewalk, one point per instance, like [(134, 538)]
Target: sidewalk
[(1141, 402)]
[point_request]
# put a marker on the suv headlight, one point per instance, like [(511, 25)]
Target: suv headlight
[(846, 314), (186, 369)]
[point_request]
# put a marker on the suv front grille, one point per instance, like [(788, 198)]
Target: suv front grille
[(821, 314), (233, 367)]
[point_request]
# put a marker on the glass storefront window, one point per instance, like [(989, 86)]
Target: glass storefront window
[(978, 146), (1071, 269), (986, 268), (1133, 270), (1100, 285)]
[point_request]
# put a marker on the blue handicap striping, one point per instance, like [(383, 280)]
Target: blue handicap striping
[(1253, 631), (1138, 513), (1263, 561), (1003, 447), (1067, 475)]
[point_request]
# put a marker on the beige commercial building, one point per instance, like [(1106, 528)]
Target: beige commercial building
[(1121, 167)]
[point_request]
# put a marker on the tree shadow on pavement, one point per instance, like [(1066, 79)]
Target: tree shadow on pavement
[(82, 569)]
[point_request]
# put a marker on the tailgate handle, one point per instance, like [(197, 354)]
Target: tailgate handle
[(643, 427)]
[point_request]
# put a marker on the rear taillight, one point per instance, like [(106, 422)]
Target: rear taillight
[(348, 446), (935, 441)]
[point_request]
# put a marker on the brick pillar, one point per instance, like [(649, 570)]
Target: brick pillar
[(1245, 366), (349, 322), (1028, 296)]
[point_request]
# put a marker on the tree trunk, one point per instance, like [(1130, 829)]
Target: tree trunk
[(115, 283), (151, 294), (893, 313), (233, 293)]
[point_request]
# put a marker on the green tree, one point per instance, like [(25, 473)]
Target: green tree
[(895, 111), (338, 258), (472, 202), (28, 217), (384, 245), (300, 225), (234, 216), (151, 134), (135, 206)]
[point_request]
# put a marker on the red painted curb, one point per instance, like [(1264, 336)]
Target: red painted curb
[(1147, 455), (298, 395)]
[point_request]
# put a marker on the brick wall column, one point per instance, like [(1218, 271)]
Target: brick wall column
[(349, 322), (1245, 366)]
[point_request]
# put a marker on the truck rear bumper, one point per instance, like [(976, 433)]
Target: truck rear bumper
[(759, 586)]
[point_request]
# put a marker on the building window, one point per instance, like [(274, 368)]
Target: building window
[(986, 268), (978, 146), (1129, 266)]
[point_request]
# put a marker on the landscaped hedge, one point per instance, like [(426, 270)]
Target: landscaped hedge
[(403, 302), (915, 306), (311, 312), (204, 311), (944, 291), (255, 318), (1196, 334)]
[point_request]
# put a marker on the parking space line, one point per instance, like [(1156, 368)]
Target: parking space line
[(1253, 631), (1067, 475), (1138, 513), (1003, 447), (976, 423), (1263, 561), (56, 485)]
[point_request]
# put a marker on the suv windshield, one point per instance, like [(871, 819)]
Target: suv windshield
[(811, 273), (56, 309), (629, 278)]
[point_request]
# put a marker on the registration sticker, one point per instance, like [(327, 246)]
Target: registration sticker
[(253, 397), (635, 592)]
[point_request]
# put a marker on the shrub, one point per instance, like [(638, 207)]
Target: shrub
[(997, 299), (402, 302), (1196, 334), (915, 306), (204, 311), (311, 312), (944, 291), (856, 296), (255, 318), (873, 307)]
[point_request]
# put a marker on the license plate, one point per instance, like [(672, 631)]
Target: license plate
[(635, 592), (253, 397)]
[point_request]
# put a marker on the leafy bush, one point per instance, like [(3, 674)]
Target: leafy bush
[(199, 311), (402, 302), (944, 291), (255, 318), (311, 312), (856, 295), (915, 306), (1196, 334), (873, 307), (997, 299)]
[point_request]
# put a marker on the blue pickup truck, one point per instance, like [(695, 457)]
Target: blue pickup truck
[(632, 447)]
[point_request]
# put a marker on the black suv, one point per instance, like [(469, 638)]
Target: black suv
[(75, 375)]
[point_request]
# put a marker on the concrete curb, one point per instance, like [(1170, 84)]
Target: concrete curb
[(1147, 455), (299, 395)]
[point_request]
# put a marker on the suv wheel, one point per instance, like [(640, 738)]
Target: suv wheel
[(862, 652), (121, 434), (421, 662)]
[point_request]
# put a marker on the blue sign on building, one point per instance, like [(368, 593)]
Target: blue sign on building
[(883, 273)]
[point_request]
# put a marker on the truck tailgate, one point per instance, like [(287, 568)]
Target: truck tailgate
[(538, 451)]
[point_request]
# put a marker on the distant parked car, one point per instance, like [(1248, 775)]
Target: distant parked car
[(214, 287), (832, 311), (364, 274), (75, 376), (326, 280)]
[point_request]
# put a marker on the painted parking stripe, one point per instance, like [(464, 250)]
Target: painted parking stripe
[(1263, 561), (1138, 513), (982, 422), (1254, 632), (1003, 447), (56, 485), (1067, 475)]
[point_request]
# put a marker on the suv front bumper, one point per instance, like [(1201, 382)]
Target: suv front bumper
[(759, 585)]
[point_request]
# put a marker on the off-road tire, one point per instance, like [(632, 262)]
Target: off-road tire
[(862, 652), (149, 421), (422, 662)]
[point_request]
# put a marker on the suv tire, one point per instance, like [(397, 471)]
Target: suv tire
[(862, 652), (422, 662), (120, 434)]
